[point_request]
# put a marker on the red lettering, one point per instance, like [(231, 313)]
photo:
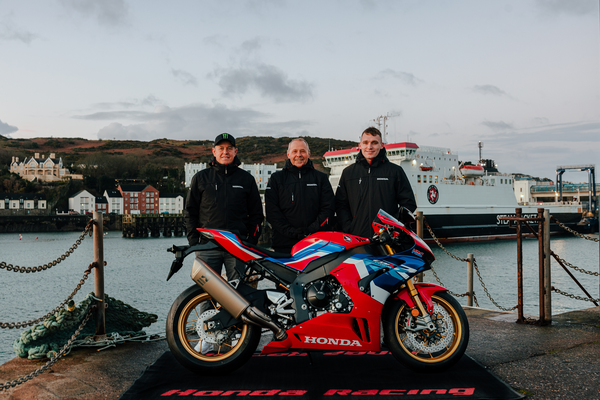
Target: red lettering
[(414, 391), (392, 392), (378, 353), (241, 392), (264, 392), (297, 354), (430, 391), (356, 353), (462, 391), (278, 355), (293, 393), (365, 392), (177, 392), (208, 393), (335, 353), (331, 392)]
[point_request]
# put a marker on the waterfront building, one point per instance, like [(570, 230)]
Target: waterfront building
[(82, 202), (260, 172), (170, 203), (101, 204), (23, 204), (139, 199), (114, 199), (42, 169)]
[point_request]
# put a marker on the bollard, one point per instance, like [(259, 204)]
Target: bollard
[(470, 293), (420, 234), (547, 269), (99, 274)]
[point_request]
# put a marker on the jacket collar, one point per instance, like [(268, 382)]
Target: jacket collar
[(380, 159), (225, 169), (292, 168)]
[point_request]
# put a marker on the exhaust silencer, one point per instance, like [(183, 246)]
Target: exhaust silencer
[(231, 300)]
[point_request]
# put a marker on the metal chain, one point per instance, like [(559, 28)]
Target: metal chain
[(16, 268), (441, 245), (573, 296), (51, 362), (487, 292), (568, 264), (11, 325), (449, 291), (581, 235)]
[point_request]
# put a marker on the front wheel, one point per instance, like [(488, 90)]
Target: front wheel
[(196, 349), (422, 349)]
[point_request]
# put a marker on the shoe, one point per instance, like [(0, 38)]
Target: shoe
[(206, 347)]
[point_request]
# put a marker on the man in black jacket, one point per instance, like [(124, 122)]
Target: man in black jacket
[(372, 183), (223, 196), (299, 199)]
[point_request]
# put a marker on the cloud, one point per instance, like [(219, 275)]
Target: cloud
[(6, 129), (489, 89), (8, 31), (270, 81), (571, 7), (112, 13), (184, 77), (498, 126), (195, 122), (148, 101), (405, 77)]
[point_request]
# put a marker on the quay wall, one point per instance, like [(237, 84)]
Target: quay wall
[(53, 223)]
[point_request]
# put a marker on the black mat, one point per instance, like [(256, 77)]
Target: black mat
[(338, 375)]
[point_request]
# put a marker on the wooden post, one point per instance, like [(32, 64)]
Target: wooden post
[(420, 234), (99, 274), (547, 269), (470, 280), (541, 264)]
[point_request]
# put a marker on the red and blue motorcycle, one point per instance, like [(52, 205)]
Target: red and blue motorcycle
[(334, 292)]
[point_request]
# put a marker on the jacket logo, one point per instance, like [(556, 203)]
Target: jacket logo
[(336, 342), (237, 187), (311, 184), (382, 179)]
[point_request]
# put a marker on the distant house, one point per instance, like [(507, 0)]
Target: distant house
[(101, 204), (82, 202), (23, 203), (114, 199), (139, 199), (170, 203), (42, 169)]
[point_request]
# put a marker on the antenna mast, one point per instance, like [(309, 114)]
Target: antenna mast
[(382, 120), (480, 147)]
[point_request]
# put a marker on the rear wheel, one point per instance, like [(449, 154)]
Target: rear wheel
[(422, 349), (207, 352)]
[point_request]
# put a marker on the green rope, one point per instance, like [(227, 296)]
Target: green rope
[(40, 341)]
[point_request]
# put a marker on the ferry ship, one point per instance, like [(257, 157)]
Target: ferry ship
[(460, 201)]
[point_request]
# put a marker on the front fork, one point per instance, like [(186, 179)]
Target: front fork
[(420, 311)]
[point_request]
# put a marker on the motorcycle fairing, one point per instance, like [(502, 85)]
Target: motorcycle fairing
[(343, 239), (230, 242), (316, 248), (425, 291)]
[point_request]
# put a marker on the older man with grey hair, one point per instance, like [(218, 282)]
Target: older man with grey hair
[(299, 199)]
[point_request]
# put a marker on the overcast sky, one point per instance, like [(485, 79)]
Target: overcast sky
[(521, 76)]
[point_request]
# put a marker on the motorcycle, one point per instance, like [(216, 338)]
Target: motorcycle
[(335, 291)]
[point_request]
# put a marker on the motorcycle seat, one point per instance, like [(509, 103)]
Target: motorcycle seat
[(269, 253)]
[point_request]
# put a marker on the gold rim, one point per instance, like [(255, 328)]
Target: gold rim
[(189, 338), (431, 357)]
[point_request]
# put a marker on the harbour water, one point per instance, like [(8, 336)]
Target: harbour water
[(137, 268)]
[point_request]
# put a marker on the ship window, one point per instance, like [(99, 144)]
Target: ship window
[(430, 178), (418, 178), (436, 179)]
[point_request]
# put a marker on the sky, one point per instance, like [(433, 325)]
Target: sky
[(521, 76)]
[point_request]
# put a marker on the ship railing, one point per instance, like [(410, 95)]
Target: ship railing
[(545, 284)]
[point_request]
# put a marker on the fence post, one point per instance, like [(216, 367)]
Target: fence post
[(520, 316), (547, 269), (420, 234), (470, 280), (99, 273)]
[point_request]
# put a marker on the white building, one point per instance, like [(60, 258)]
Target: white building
[(23, 202), (42, 169), (115, 201), (82, 202), (260, 172), (170, 203)]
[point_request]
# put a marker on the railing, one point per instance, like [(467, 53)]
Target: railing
[(97, 306), (543, 234)]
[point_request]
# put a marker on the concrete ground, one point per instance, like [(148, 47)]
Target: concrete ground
[(560, 361)]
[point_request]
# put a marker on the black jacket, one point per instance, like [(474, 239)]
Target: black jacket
[(299, 202), (365, 188), (223, 197)]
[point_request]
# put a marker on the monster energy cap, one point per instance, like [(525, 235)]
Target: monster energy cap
[(225, 137)]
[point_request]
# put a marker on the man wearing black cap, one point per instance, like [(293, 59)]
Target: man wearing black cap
[(223, 196)]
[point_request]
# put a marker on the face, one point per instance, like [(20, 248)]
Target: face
[(224, 153), (298, 153), (370, 146)]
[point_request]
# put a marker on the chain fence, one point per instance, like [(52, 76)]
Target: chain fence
[(581, 235)]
